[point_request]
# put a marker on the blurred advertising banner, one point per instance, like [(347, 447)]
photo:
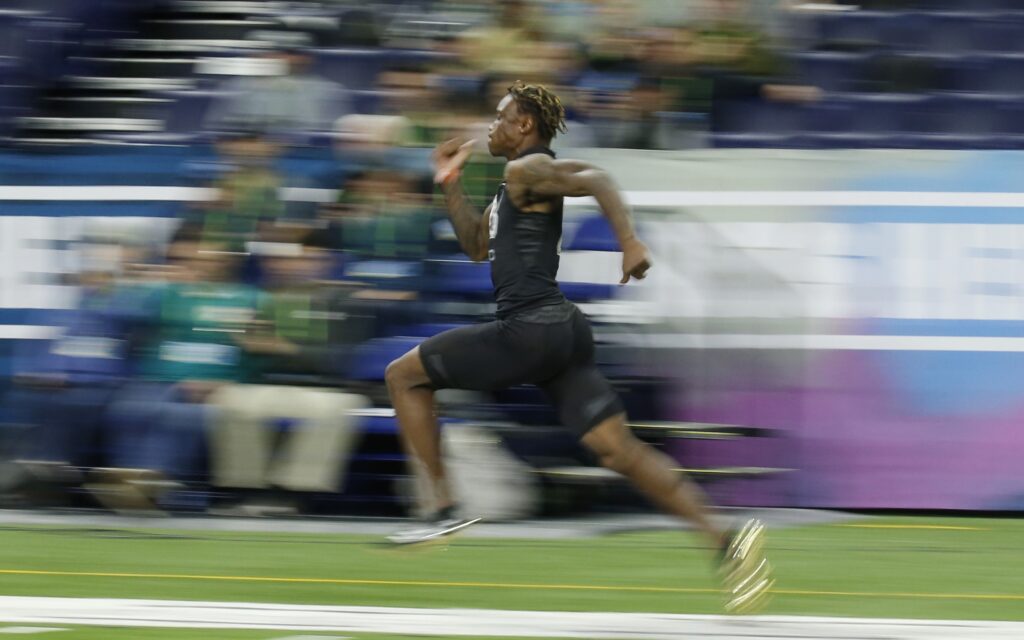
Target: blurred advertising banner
[(867, 305)]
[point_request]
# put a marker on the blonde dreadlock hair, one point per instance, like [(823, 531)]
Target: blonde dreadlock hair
[(536, 100)]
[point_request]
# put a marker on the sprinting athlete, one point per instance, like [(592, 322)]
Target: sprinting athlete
[(541, 338)]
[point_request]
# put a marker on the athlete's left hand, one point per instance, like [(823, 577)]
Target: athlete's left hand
[(636, 260)]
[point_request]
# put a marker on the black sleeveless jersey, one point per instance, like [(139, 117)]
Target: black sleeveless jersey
[(523, 251)]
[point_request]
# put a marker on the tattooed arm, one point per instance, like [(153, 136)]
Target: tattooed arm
[(538, 177)]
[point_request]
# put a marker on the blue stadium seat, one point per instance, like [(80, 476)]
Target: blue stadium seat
[(189, 108), (970, 5), (460, 277), (866, 27), (373, 356), (12, 33), (380, 424), (385, 274), (912, 31), (956, 32), (992, 73), (828, 115), (358, 68), (429, 329), (594, 233), (365, 100), (884, 113), (354, 68), (734, 140), (863, 121), (774, 118), (462, 85), (974, 114), (832, 70), (602, 86), (999, 33)]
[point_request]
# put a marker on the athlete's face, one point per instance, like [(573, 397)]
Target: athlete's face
[(507, 131)]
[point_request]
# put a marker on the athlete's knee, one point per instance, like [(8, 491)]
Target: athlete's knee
[(394, 375), (623, 456), (615, 445), (404, 373)]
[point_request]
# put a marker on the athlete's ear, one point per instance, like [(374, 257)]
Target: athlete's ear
[(527, 123)]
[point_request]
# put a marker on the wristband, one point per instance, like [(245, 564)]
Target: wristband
[(447, 176)]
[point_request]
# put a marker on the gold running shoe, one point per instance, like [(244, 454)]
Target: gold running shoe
[(746, 574)]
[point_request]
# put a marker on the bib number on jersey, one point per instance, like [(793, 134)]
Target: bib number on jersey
[(493, 222)]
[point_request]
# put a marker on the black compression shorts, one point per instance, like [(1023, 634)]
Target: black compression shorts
[(553, 350)]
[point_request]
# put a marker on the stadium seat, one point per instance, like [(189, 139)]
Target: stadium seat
[(189, 108), (459, 277), (358, 68), (594, 233), (831, 70), (373, 356), (385, 274), (365, 100), (999, 33), (773, 118), (991, 73), (884, 113), (734, 140), (853, 28), (973, 114)]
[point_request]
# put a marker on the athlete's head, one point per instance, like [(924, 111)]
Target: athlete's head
[(528, 115)]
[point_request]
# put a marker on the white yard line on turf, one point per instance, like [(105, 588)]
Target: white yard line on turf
[(485, 623)]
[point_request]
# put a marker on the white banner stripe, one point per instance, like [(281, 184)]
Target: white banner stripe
[(810, 342), (824, 342), (28, 332), (816, 199), (106, 194), (655, 199)]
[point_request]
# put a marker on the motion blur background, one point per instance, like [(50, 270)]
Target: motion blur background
[(217, 227)]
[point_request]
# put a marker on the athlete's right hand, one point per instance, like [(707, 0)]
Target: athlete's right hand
[(449, 157), (636, 260)]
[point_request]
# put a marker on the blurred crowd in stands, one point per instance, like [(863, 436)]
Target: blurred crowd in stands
[(232, 351)]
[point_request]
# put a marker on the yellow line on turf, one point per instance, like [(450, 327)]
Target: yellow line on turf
[(929, 596), (391, 583), (501, 585), (937, 527)]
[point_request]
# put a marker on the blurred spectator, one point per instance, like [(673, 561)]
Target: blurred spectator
[(159, 421), (504, 46), (302, 344), (729, 39), (411, 92), (638, 125), (383, 214), (614, 50), (737, 58), (293, 99), (64, 387), (247, 191)]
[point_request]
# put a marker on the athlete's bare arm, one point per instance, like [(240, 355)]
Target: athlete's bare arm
[(470, 227), (538, 177)]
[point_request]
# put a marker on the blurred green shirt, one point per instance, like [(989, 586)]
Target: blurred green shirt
[(195, 334)]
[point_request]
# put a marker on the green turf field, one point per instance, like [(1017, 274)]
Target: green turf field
[(936, 568)]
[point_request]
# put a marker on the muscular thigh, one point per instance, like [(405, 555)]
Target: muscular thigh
[(583, 398), (484, 357)]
